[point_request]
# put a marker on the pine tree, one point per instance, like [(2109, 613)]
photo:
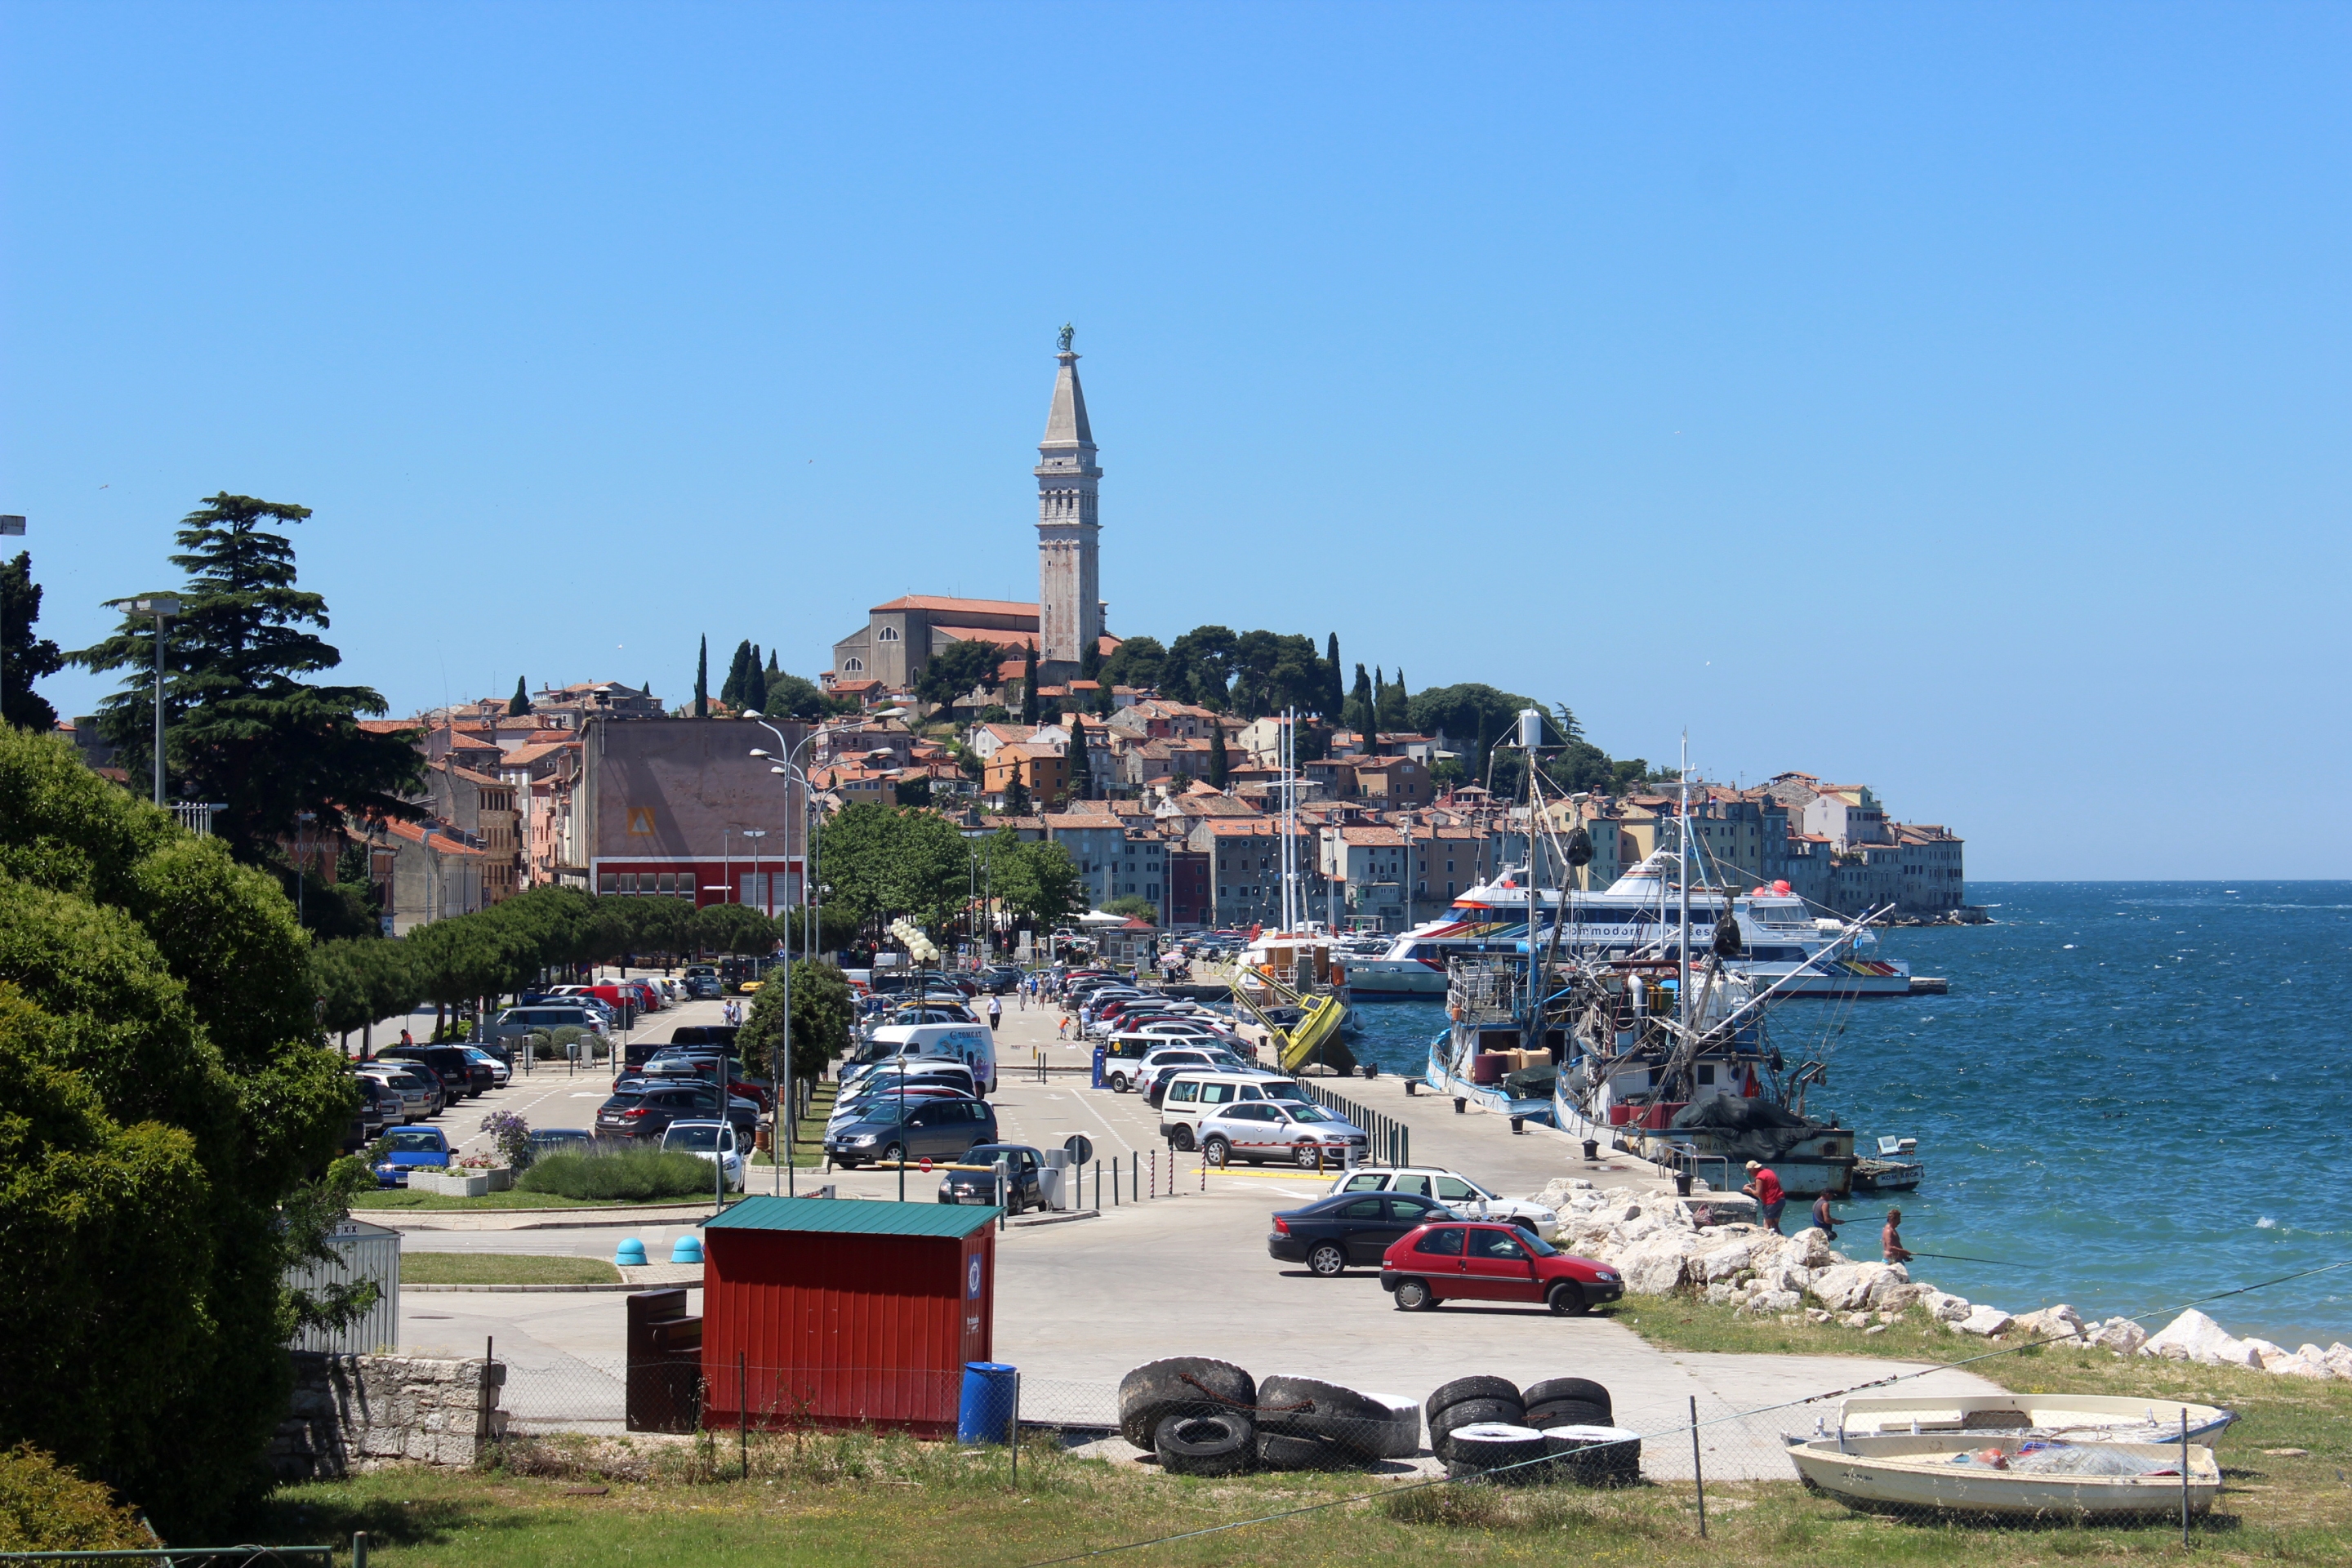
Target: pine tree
[(1220, 769), (1029, 685), (28, 658), (1335, 680), (243, 730), (520, 703), (1357, 713), (702, 678), (1395, 714), (731, 693), (755, 685), (1082, 772), (773, 669)]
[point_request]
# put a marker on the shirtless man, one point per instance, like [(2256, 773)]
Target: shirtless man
[(1890, 1240)]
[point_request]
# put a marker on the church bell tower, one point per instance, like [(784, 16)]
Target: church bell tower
[(1069, 585)]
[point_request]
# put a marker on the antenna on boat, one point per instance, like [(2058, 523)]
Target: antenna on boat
[(1682, 933)]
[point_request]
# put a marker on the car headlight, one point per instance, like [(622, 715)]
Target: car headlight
[(864, 1138), (1545, 1216), (1606, 1276)]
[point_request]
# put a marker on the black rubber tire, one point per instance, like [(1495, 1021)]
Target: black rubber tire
[(1309, 1406), (1471, 1413), (1414, 1296), (1567, 1413), (1119, 1084), (1218, 1153), (1206, 1445), (891, 1154), (1300, 1451), (1327, 1260), (1463, 1388), (1553, 1389), (1566, 1300), (1182, 1138), (1307, 1157), (1576, 1461), (1489, 1445), (1157, 1389)]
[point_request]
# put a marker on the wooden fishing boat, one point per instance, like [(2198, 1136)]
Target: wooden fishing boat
[(2074, 1417), (2010, 1476)]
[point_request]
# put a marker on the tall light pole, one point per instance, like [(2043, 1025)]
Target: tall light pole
[(755, 835), (13, 527), (781, 1083), (162, 606)]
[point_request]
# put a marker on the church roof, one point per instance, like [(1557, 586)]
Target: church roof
[(1066, 422), (969, 606)]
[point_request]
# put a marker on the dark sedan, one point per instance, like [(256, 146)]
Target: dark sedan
[(460, 1075), (643, 1108), (967, 1183), (1331, 1234)]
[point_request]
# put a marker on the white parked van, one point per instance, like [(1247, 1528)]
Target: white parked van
[(1193, 1095), (973, 1045)]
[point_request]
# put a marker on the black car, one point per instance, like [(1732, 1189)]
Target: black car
[(721, 1034), (932, 1129), (642, 1108), (460, 1074), (1330, 1234), (1002, 981), (1025, 1189)]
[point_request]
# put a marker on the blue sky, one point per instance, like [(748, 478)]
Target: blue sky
[(1951, 399)]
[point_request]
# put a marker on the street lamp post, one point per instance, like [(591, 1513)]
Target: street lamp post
[(755, 835), (781, 1083), (162, 606)]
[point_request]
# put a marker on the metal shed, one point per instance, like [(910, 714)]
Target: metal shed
[(364, 1252), (839, 1312)]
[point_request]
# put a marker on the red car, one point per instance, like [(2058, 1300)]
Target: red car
[(1466, 1261)]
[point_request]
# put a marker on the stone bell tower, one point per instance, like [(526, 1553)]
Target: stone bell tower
[(1069, 582)]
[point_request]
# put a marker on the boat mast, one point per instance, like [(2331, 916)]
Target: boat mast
[(1682, 939)]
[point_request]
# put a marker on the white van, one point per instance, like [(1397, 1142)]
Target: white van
[(974, 1045), (1193, 1095)]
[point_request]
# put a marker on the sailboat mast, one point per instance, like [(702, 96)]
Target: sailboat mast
[(1681, 851)]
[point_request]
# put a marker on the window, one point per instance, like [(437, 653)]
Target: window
[(1412, 1184), (1453, 1190), (1363, 1208), (1444, 1242), (1496, 1244), (852, 666), (1368, 1181), (887, 633)]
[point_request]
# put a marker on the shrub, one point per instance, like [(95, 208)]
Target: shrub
[(45, 1507), (621, 1174)]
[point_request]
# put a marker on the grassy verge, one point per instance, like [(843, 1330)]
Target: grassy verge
[(403, 1198), (1688, 1323), (808, 1141), (853, 1499), (503, 1269)]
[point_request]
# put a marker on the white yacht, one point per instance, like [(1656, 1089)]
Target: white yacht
[(1785, 946)]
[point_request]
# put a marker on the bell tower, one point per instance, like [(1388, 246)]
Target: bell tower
[(1069, 583)]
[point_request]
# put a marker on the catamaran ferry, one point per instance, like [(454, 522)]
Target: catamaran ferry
[(1785, 946)]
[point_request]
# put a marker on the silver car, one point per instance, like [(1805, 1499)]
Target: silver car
[(420, 1096)]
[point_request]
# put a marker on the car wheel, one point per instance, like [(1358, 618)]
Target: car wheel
[(1218, 1153), (1414, 1296), (1566, 1301), (892, 1154), (1118, 1083), (1327, 1260), (1182, 1138), (1308, 1156)]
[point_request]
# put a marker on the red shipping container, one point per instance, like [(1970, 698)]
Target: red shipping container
[(840, 1312)]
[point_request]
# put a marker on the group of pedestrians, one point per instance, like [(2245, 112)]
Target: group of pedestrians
[(1764, 1186)]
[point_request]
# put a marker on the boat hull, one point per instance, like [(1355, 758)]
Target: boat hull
[(1392, 980), (2076, 1417), (1485, 1097), (1921, 1473)]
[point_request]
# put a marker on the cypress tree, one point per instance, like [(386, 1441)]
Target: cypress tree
[(1029, 685), (520, 702), (702, 678), (1220, 769), (1358, 711), (1082, 772), (755, 685), (731, 693), (1394, 713), (1335, 682)]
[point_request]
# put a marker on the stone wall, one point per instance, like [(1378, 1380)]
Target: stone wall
[(356, 1412)]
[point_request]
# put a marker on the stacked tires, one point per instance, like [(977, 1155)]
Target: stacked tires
[(1305, 1424), (1488, 1426), (1208, 1417)]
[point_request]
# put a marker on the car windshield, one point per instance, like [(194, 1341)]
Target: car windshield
[(1310, 1113), (696, 1140), (1285, 1090), (421, 1140)]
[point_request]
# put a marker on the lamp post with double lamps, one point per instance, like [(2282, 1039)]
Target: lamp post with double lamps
[(162, 606), (783, 1123)]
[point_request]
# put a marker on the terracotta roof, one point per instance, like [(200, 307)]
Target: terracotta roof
[(389, 726), (442, 843), (1373, 837), (1003, 636), (969, 606)]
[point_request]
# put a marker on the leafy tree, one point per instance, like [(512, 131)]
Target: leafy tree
[(1396, 714), (520, 702), (1360, 713), (823, 1014), (1134, 906), (1135, 662), (955, 670), (243, 729), (1029, 685), (1090, 660), (1466, 709), (702, 678), (733, 928), (166, 1097), (45, 1507), (1199, 663), (28, 658), (1220, 769), (1035, 879), (911, 791), (884, 861)]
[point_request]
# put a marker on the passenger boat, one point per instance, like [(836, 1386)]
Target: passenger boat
[(2011, 1476), (2074, 1417)]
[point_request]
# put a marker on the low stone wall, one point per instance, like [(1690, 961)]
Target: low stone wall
[(356, 1412)]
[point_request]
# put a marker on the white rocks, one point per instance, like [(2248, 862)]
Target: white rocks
[(1656, 1266), (1944, 1307), (2299, 1366), (2194, 1336), (1764, 1302), (1815, 1315), (1723, 1260), (1809, 1248), (1846, 1287), (1876, 1328), (2339, 1359), (1895, 1298), (2265, 1354), (1984, 1323), (1719, 1295), (1854, 1320), (2060, 1325), (2120, 1335)]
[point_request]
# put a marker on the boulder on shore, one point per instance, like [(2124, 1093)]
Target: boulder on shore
[(2194, 1336), (2120, 1335), (1984, 1322)]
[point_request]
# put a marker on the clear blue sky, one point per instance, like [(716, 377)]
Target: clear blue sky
[(1951, 399)]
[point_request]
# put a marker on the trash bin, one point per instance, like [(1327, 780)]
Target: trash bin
[(1054, 1181), (991, 1399)]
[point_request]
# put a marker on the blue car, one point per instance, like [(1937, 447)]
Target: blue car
[(411, 1149)]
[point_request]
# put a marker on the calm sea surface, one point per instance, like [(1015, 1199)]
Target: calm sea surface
[(2137, 1094)]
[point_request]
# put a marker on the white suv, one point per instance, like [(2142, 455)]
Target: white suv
[(1456, 1192)]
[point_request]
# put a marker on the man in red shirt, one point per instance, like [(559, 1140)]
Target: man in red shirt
[(1765, 1188)]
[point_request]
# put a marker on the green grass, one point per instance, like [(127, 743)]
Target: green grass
[(808, 1139), (402, 1198), (1689, 1323), (503, 1269), (855, 1499)]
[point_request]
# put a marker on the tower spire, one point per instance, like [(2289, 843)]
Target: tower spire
[(1069, 606)]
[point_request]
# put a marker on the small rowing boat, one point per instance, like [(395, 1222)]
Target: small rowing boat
[(2072, 1417), (2010, 1476)]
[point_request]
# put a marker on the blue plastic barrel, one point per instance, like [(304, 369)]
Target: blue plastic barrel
[(990, 1399)]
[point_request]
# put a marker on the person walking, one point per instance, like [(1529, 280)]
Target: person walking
[(1764, 1186), (1890, 1240), (1823, 1221), (995, 1011)]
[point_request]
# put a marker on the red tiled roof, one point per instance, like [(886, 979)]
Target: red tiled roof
[(442, 843), (969, 606)]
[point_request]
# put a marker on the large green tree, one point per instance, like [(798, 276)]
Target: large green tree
[(884, 861), (28, 658), (243, 728), (163, 1101), (1035, 879), (1135, 662), (823, 1012), (954, 670)]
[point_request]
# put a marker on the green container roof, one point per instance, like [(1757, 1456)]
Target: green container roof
[(855, 1216)]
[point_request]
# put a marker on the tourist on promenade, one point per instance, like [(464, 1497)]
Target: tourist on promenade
[(1890, 1240), (1765, 1188), (996, 1010), (1823, 1219)]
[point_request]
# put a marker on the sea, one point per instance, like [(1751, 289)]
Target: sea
[(2136, 1097)]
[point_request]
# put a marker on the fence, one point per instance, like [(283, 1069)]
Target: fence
[(202, 1556), (1391, 1141)]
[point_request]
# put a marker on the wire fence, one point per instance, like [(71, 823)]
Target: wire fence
[(1887, 1447)]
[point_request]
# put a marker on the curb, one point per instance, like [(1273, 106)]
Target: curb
[(551, 1289), (1055, 1218)]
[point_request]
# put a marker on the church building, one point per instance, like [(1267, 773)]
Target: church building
[(898, 638)]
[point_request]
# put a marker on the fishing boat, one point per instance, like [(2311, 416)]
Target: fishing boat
[(2072, 1417), (2011, 1476)]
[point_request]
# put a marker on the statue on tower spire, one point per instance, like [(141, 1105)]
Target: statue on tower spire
[(1068, 333)]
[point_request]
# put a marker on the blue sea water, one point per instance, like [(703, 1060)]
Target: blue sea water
[(2135, 1094)]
